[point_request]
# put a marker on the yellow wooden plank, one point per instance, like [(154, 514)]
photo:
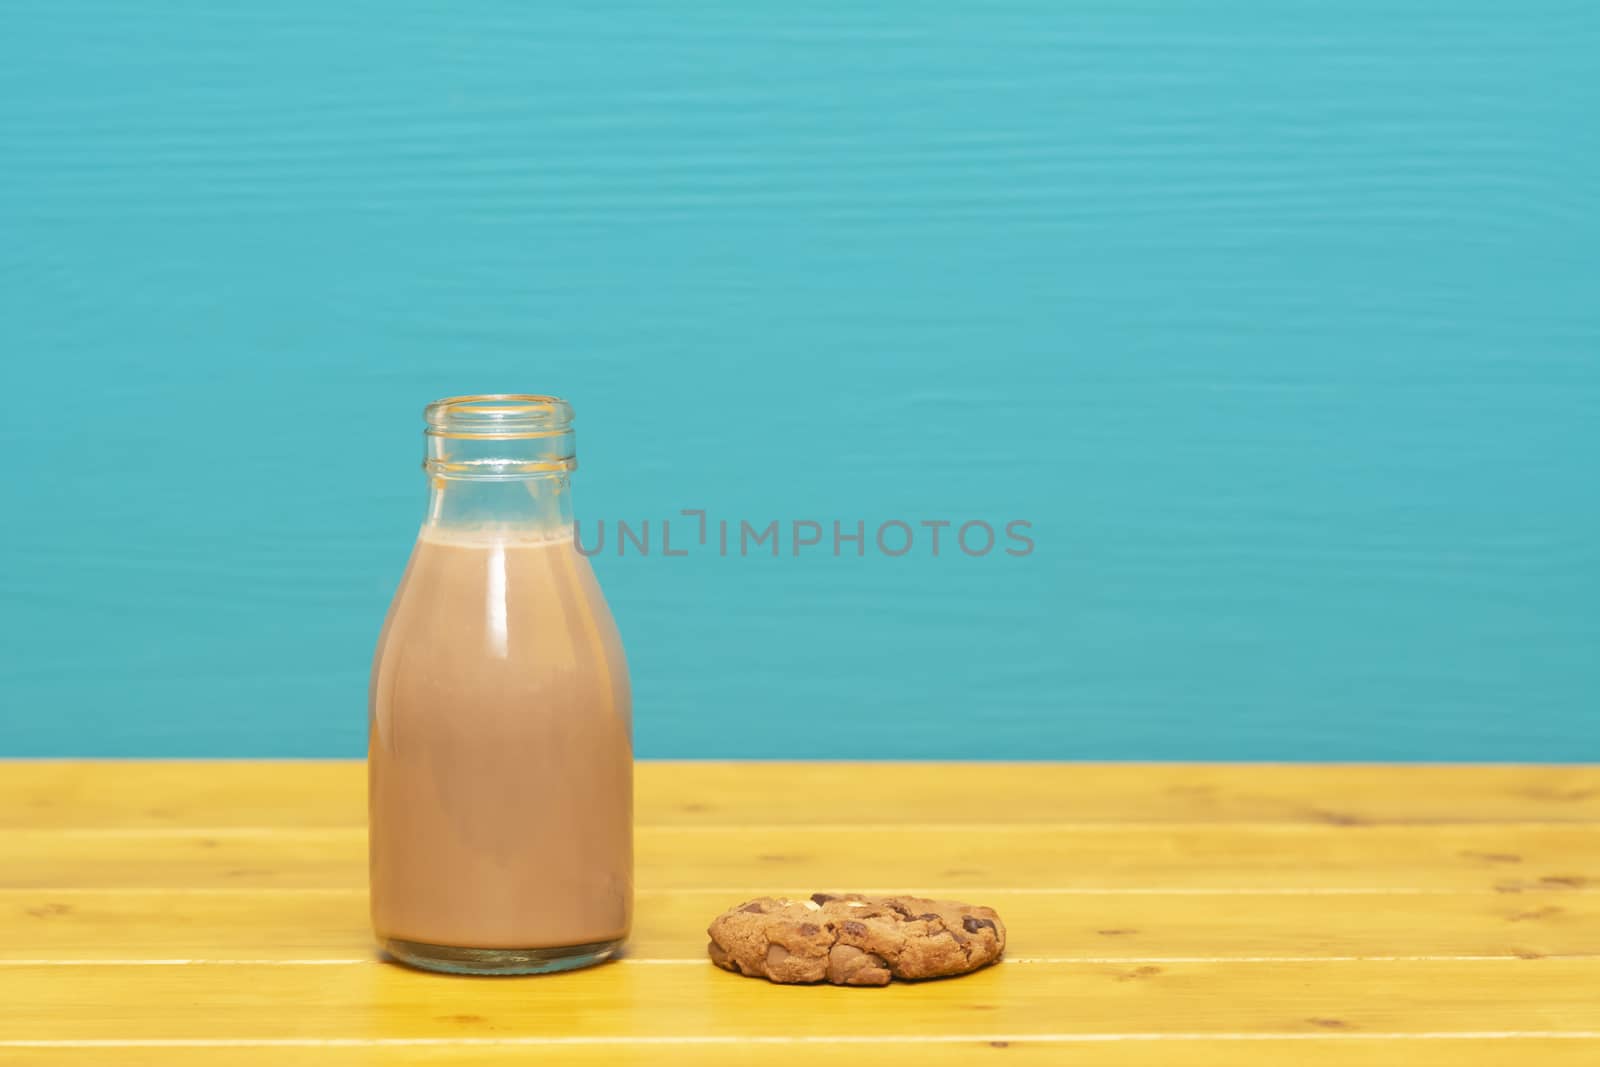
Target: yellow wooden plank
[(174, 793), (1201, 856), (913, 793), (685, 1001), (155, 925), (1320, 1051), (331, 793)]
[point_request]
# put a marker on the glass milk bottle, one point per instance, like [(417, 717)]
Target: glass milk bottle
[(500, 759)]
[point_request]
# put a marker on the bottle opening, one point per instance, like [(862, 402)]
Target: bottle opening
[(498, 436), (498, 415)]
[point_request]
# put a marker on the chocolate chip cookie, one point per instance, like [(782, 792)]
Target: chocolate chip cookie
[(850, 939)]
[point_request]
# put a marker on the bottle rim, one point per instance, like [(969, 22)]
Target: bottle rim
[(498, 416)]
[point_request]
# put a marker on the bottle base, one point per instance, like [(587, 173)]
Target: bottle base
[(489, 961)]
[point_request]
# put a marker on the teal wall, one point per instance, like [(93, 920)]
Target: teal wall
[(1280, 322)]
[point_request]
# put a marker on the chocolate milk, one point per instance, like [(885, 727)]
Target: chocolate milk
[(500, 760)]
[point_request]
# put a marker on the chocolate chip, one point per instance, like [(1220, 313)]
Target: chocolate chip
[(855, 929), (928, 916), (972, 926), (822, 898), (754, 907), (809, 929)]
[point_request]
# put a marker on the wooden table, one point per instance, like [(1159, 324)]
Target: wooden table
[(202, 913)]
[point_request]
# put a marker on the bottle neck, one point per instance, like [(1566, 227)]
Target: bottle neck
[(538, 507), (499, 467)]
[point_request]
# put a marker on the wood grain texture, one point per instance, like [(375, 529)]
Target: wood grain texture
[(159, 924), (329, 793), (1204, 857), (1325, 1050), (1253, 931), (618, 1002), (1276, 320)]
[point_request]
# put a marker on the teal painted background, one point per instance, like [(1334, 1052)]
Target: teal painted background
[(1280, 321)]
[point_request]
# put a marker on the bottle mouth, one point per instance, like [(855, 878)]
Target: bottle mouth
[(498, 416), (499, 436)]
